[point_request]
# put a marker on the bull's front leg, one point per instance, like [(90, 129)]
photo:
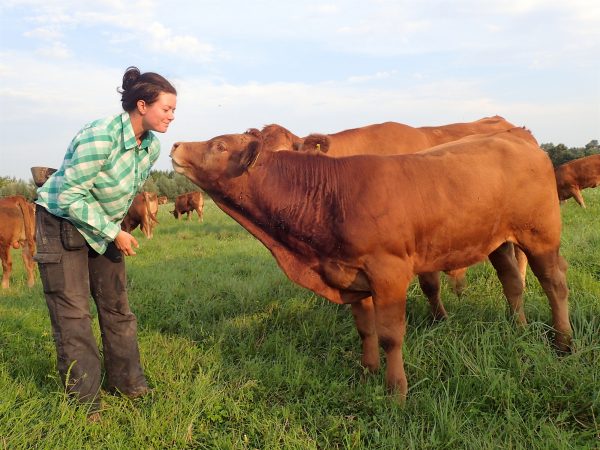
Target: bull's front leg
[(577, 196), (364, 319), (389, 300)]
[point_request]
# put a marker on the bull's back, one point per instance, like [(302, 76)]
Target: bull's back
[(464, 197)]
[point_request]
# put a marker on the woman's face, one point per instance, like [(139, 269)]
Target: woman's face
[(158, 115)]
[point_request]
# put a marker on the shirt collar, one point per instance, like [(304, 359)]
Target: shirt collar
[(129, 140)]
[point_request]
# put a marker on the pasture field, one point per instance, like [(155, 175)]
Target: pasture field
[(241, 358)]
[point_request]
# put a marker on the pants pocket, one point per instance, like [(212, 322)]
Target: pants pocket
[(51, 271), (69, 235)]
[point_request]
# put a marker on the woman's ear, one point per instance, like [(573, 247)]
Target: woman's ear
[(141, 107)]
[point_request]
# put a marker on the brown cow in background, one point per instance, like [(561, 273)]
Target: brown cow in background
[(17, 230), (393, 138), (338, 226), (574, 176), (142, 212), (187, 203), (162, 200)]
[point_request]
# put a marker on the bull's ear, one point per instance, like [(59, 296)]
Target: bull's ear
[(250, 154), (316, 142), (242, 161)]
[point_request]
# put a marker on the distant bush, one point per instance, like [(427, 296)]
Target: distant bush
[(12, 186), (560, 154)]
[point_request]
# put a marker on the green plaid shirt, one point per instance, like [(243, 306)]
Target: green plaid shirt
[(101, 173)]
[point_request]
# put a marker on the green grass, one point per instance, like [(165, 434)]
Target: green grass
[(240, 357)]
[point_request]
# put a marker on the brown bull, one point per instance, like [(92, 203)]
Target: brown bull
[(142, 212), (574, 176), (17, 230), (162, 200), (389, 138), (188, 203), (354, 239)]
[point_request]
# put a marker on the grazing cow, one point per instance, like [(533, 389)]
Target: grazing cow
[(187, 203), (142, 212), (573, 176), (17, 229), (357, 229), (162, 200)]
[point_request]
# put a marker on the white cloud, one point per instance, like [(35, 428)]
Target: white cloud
[(376, 76), (132, 22), (44, 33), (326, 9), (57, 50), (162, 39)]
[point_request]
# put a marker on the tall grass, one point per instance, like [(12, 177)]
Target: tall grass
[(240, 357)]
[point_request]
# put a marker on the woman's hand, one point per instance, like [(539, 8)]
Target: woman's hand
[(125, 243)]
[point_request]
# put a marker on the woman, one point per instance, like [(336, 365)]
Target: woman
[(81, 244)]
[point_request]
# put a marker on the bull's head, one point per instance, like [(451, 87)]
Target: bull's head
[(217, 160)]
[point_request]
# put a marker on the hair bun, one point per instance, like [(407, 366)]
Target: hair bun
[(130, 77)]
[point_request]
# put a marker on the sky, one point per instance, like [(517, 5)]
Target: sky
[(310, 66)]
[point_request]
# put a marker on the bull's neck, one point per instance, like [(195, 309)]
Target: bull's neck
[(282, 192)]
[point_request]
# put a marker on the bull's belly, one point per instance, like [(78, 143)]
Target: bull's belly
[(10, 237), (433, 260)]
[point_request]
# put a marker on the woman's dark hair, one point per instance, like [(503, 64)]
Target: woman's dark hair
[(142, 86)]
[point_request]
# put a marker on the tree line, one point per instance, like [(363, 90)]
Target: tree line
[(163, 182), (171, 184), (560, 154)]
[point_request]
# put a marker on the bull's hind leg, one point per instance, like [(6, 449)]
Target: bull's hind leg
[(430, 285), (503, 260), (364, 318), (521, 263), (457, 279), (6, 265), (550, 269)]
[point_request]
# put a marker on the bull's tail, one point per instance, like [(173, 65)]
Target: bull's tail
[(28, 223)]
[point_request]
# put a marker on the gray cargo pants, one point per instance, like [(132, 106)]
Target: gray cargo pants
[(70, 270)]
